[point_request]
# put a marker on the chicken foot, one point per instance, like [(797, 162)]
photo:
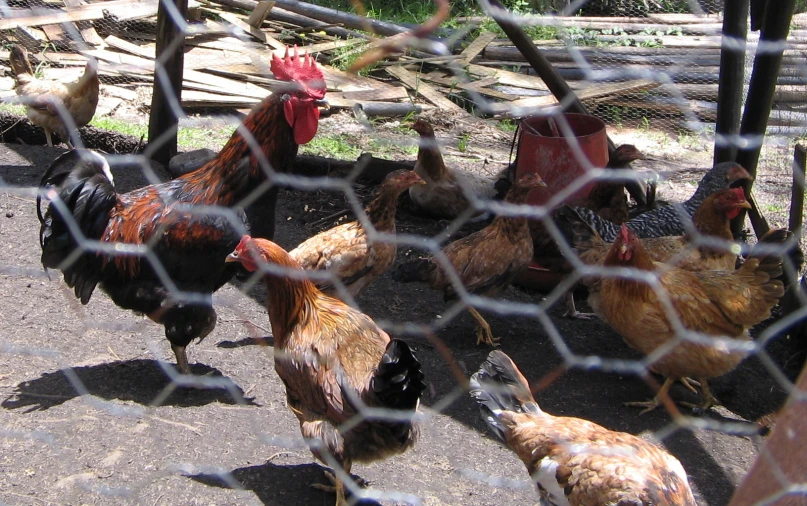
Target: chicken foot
[(571, 310), (484, 335), (337, 486), (655, 401), (708, 399)]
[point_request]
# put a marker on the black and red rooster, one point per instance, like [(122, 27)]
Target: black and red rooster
[(160, 249)]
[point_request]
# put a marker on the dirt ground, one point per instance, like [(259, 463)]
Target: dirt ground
[(89, 415)]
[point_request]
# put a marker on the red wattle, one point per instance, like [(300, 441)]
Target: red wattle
[(288, 111), (305, 122), (733, 212)]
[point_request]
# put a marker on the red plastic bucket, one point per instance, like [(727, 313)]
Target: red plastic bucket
[(547, 152), (544, 149)]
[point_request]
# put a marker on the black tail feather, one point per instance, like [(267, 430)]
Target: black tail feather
[(398, 380), (577, 231), (498, 387), (82, 198)]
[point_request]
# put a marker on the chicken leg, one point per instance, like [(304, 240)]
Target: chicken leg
[(655, 401), (708, 399), (337, 486), (571, 310), (182, 359), (483, 332)]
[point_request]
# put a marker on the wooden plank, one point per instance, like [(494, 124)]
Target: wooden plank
[(258, 15), (478, 86), (413, 81), (146, 51), (242, 25), (192, 98), (122, 9), (477, 46), (593, 91), (508, 78), (87, 31), (120, 92), (395, 93)]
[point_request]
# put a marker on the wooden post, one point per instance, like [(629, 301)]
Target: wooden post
[(781, 461), (797, 194), (732, 76), (758, 104), (171, 57)]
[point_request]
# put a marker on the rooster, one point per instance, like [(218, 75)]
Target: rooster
[(173, 285), (573, 461), (348, 250), (447, 191), (48, 101), (335, 362), (667, 220), (485, 261), (723, 304)]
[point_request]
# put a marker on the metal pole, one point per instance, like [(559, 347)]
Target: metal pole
[(732, 77)]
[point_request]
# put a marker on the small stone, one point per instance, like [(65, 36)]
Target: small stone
[(10, 214), (188, 162)]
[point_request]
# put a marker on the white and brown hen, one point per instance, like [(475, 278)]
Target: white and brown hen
[(42, 97), (575, 462)]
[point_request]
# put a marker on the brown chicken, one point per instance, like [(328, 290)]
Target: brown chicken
[(575, 462), (335, 362), (348, 251), (53, 105), (446, 192), (607, 198), (711, 221), (486, 261), (188, 244), (723, 304)]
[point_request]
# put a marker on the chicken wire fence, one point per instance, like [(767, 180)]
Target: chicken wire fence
[(95, 413)]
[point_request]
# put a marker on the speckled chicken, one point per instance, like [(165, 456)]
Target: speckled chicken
[(347, 250), (42, 97), (485, 261), (666, 220), (723, 304), (335, 361), (712, 220), (575, 462), (446, 192)]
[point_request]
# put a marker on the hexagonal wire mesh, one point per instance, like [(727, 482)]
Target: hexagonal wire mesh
[(110, 421)]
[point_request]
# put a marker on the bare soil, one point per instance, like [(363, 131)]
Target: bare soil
[(89, 414)]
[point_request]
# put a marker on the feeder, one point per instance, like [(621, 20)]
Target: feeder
[(542, 148)]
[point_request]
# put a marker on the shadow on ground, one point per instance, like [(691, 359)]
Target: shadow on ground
[(141, 381), (277, 485)]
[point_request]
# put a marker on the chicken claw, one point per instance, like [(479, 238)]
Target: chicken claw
[(708, 399), (483, 333), (655, 401), (571, 310), (337, 486)]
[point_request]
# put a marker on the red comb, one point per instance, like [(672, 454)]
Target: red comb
[(303, 71), (624, 232)]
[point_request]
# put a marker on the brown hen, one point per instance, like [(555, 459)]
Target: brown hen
[(446, 192), (47, 101), (485, 261), (348, 251), (335, 362), (575, 462), (719, 304)]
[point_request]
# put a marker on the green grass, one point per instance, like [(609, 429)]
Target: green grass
[(188, 138), (331, 146), (13, 109)]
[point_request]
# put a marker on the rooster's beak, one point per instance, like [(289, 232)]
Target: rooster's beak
[(744, 205), (232, 257), (325, 108), (623, 249)]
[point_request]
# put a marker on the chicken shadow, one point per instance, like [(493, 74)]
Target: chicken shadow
[(247, 341), (141, 381), (277, 485)]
